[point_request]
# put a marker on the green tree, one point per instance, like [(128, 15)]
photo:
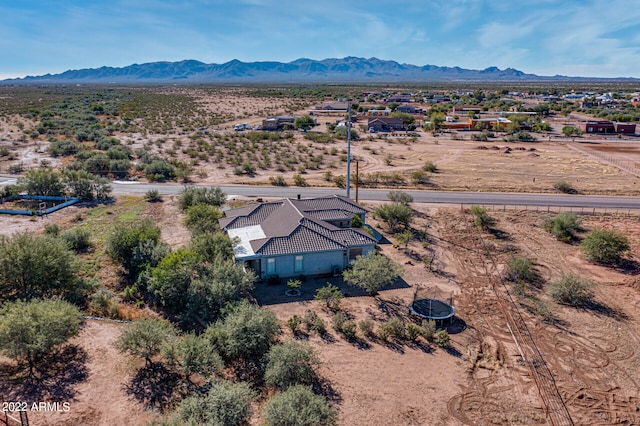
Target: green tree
[(29, 331), (171, 279), (42, 181), (306, 121), (36, 266), (394, 214), (408, 120), (290, 363), (212, 245), (192, 195), (298, 406), (562, 226), (246, 332), (572, 290), (123, 241), (226, 404), (372, 272), (404, 237), (144, 338), (604, 246), (330, 294), (356, 222), (192, 354), (202, 218), (570, 131)]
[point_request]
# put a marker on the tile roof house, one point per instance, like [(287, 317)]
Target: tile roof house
[(384, 124), (294, 237)]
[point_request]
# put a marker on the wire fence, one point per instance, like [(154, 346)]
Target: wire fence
[(584, 211)]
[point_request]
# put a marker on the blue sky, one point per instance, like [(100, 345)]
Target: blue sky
[(594, 38)]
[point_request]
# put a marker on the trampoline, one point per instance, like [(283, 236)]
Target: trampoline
[(433, 309)]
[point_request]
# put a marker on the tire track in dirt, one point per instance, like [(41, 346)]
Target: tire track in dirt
[(595, 363), (481, 402)]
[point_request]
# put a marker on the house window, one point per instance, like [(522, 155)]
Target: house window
[(297, 267), (355, 252), (271, 266)]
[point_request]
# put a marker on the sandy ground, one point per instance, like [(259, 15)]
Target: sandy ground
[(480, 380)]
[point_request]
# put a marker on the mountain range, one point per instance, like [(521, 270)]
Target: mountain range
[(333, 70)]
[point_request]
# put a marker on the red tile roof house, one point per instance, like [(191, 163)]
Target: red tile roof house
[(292, 237), (385, 124)]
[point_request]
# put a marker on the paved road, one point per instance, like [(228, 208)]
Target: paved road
[(446, 197), (441, 197)]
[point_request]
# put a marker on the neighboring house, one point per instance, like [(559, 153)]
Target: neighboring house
[(278, 123), (290, 237), (626, 128), (385, 124), (458, 109), (487, 123), (398, 99), (410, 109), (332, 106), (599, 127)]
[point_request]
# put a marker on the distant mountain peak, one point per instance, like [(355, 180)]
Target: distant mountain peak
[(351, 69)]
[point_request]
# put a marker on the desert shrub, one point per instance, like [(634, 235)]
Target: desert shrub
[(191, 195), (192, 354), (442, 338), (277, 181), (366, 327), (246, 332), (413, 331), (77, 239), (124, 240), (562, 226), (394, 214), (400, 197), (226, 404), (298, 406), (340, 181), (394, 328), (430, 167), (520, 269), (314, 322), (338, 320), (52, 229), (289, 364), (299, 180), (348, 329), (429, 327), (293, 323), (564, 186), (604, 246), (372, 272), (331, 296), (153, 196), (144, 338), (572, 290), (481, 218), (159, 170)]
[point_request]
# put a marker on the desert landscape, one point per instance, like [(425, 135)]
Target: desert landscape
[(516, 355)]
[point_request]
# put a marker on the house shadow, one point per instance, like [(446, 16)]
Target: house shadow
[(53, 379), (266, 294)]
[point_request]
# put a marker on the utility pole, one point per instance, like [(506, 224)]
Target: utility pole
[(348, 149), (357, 179)]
